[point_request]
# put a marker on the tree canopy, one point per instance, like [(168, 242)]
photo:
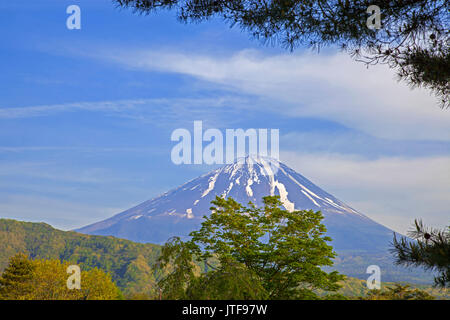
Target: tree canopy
[(251, 253), (413, 38), (41, 279)]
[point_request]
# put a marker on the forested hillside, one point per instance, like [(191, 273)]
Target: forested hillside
[(129, 263)]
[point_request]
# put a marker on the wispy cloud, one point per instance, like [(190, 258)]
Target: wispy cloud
[(17, 149), (158, 111), (45, 110), (330, 87)]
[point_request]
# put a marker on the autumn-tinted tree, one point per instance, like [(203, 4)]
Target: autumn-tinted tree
[(98, 285), (277, 252), (431, 250), (413, 38)]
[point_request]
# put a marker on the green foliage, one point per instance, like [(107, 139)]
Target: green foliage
[(399, 292), (280, 252), (355, 289), (177, 258), (431, 250), (413, 38), (230, 281)]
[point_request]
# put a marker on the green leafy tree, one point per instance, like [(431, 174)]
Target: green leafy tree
[(15, 280), (178, 262), (431, 250), (413, 38), (279, 253), (230, 281)]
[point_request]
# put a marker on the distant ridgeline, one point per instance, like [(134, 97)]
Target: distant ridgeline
[(130, 264)]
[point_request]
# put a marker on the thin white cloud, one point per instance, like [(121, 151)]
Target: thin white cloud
[(157, 111), (45, 110), (330, 87), (96, 150), (392, 191)]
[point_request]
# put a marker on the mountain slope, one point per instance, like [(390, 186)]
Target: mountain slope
[(180, 211)]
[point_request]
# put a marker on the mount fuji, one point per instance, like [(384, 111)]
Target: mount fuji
[(181, 210), (358, 240)]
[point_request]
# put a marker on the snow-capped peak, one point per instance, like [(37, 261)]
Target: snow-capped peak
[(249, 179)]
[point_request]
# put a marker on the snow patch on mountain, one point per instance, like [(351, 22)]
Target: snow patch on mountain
[(290, 206), (248, 188), (310, 198), (212, 182)]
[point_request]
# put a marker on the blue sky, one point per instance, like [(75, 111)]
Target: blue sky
[(86, 115)]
